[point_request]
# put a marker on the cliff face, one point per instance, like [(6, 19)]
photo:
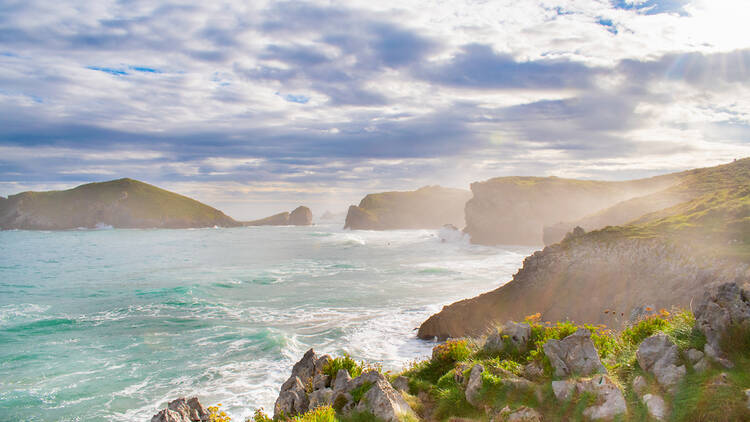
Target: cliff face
[(429, 207), (514, 210), (586, 280), (123, 203)]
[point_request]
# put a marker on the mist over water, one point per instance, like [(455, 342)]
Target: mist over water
[(106, 325)]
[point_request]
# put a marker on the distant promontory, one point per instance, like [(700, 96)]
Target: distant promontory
[(300, 216), (121, 203), (430, 207)]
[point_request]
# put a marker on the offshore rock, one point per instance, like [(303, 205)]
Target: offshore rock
[(301, 216)]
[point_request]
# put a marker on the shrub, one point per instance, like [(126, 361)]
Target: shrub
[(345, 362), (216, 415), (683, 332), (260, 416), (360, 391), (645, 328), (452, 351), (319, 414)]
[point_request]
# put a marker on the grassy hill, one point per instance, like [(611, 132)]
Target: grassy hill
[(122, 203)]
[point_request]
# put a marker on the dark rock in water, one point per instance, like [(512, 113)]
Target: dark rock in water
[(182, 410), (301, 216), (722, 306)]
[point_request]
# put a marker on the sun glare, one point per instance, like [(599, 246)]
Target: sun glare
[(720, 24)]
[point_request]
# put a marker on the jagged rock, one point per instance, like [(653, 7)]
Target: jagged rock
[(533, 370), (574, 354), (385, 403), (721, 306), (609, 398), (564, 389), (182, 410), (371, 377), (474, 385), (640, 385), (301, 216), (342, 380), (293, 397), (522, 414), (401, 383), (659, 356), (320, 398), (511, 334), (656, 406), (321, 381)]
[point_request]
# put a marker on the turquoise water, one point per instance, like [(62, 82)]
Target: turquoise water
[(103, 325)]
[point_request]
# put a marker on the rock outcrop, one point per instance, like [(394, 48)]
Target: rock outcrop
[(512, 335), (122, 203), (301, 216), (659, 356), (596, 280), (721, 307), (430, 207), (182, 410), (574, 355)]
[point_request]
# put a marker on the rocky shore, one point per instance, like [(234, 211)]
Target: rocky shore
[(662, 366)]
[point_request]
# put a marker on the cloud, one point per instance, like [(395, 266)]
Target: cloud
[(358, 96)]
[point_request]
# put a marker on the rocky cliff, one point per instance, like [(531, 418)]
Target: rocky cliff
[(429, 207), (586, 279), (515, 210), (122, 203), (300, 216)]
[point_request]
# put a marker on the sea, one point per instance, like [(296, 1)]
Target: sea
[(111, 324)]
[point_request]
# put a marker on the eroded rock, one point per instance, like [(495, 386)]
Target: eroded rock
[(660, 357), (513, 335), (474, 385), (182, 410), (401, 383), (721, 306), (522, 414), (610, 401), (385, 403), (574, 355)]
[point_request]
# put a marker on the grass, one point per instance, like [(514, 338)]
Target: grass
[(333, 367)]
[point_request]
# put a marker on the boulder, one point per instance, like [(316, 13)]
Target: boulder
[(182, 410), (656, 407), (564, 389), (474, 385), (697, 359), (659, 356), (385, 403), (320, 398), (342, 380), (574, 354), (401, 383), (301, 216), (512, 335), (522, 414), (293, 396), (610, 401), (721, 306)]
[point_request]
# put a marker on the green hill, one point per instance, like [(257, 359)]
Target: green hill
[(122, 203)]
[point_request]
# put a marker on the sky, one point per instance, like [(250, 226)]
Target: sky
[(255, 107)]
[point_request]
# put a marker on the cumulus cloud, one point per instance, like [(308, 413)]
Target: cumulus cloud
[(249, 105)]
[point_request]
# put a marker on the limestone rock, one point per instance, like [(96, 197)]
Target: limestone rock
[(293, 397), (574, 354), (401, 383), (610, 400), (659, 356), (342, 380), (182, 410), (656, 406), (564, 389), (511, 334), (320, 398), (694, 355), (301, 216), (385, 403), (321, 381), (721, 306), (522, 414), (474, 385)]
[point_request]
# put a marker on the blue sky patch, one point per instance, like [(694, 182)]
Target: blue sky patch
[(145, 69), (299, 99), (110, 70), (608, 24), (653, 7)]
